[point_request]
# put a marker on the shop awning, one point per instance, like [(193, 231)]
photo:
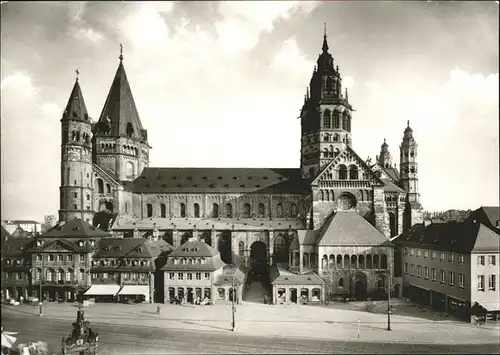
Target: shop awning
[(491, 306), (102, 290), (131, 290)]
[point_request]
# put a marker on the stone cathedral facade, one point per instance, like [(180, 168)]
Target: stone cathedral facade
[(331, 217)]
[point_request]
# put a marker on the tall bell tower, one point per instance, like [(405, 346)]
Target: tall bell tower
[(76, 160), (325, 116)]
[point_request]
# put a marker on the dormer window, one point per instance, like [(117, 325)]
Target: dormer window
[(134, 263), (91, 243), (139, 250), (106, 248), (80, 243), (7, 261), (39, 243)]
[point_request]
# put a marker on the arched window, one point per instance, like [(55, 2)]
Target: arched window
[(196, 210), (130, 169), (78, 136), (327, 198), (246, 210), (327, 119), (163, 210), (241, 248), (149, 210), (262, 210), (383, 262), (336, 137), (229, 210), (348, 124), (215, 210), (336, 119), (183, 210), (341, 282), (342, 172), (279, 210), (325, 153), (344, 121), (353, 172), (108, 188), (321, 195), (293, 210), (130, 129), (100, 186), (330, 154)]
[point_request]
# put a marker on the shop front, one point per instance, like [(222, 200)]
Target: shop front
[(134, 293), (102, 293)]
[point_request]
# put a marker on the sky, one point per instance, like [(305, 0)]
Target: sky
[(221, 84)]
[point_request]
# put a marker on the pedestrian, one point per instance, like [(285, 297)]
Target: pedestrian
[(40, 309), (158, 309), (21, 299)]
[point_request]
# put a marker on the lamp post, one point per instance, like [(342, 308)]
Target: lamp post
[(233, 308), (389, 300)]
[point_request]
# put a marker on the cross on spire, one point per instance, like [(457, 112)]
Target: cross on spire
[(121, 51), (325, 43), (77, 74)]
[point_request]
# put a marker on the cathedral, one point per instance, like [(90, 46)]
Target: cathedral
[(329, 220)]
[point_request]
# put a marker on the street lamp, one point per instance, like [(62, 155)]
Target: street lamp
[(389, 300)]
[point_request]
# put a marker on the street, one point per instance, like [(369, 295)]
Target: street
[(126, 339)]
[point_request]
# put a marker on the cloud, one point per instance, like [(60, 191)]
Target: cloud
[(292, 60), (348, 82), (29, 128), (89, 34)]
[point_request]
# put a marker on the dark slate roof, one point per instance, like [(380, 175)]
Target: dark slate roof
[(487, 215), (76, 228), (217, 180), (349, 228), (282, 277), (451, 236), (63, 243), (194, 248), (393, 173), (120, 247), (207, 223), (20, 233), (76, 108), (14, 247), (120, 109), (390, 186)]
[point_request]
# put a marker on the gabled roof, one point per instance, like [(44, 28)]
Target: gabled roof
[(194, 248), (106, 175), (349, 228), (390, 186), (451, 236), (230, 273), (14, 247), (20, 233), (393, 173), (65, 243), (75, 228), (58, 244), (349, 153), (487, 215), (282, 277), (486, 240), (120, 112), (307, 236), (76, 109), (217, 180), (119, 247)]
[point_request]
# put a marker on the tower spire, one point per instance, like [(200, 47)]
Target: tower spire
[(346, 95), (121, 52), (325, 42)]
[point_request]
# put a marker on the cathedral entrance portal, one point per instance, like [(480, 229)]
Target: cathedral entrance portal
[(360, 286)]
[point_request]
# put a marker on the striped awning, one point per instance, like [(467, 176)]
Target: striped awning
[(102, 290)]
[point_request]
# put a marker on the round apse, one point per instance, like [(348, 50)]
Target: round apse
[(346, 201)]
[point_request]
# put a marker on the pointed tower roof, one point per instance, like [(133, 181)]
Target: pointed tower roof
[(76, 109), (119, 117)]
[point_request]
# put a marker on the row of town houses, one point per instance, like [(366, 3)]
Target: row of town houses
[(449, 266)]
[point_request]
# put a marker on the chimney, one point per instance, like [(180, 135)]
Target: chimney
[(427, 222)]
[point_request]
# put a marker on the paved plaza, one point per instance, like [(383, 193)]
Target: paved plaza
[(297, 321)]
